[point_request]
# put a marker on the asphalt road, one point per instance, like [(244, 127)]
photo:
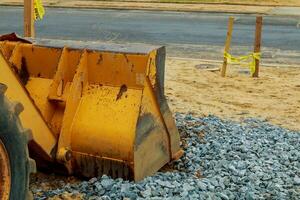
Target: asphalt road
[(185, 34)]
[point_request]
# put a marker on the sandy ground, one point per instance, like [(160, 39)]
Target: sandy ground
[(191, 87), (232, 2), (274, 96), (228, 2), (241, 2), (234, 6)]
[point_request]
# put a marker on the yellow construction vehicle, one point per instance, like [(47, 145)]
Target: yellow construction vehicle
[(88, 109)]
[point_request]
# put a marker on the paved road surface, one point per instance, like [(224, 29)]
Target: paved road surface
[(185, 34)]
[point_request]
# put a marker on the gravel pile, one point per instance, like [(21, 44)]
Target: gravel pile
[(223, 160)]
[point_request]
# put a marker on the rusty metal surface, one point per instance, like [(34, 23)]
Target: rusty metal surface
[(104, 104), (95, 45), (13, 37), (90, 166)]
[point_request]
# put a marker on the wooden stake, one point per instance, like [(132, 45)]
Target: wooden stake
[(28, 18), (257, 43), (227, 45)]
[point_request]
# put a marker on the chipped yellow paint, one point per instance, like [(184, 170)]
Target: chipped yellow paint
[(30, 117), (105, 112)]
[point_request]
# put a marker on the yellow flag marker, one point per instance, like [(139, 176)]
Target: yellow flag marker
[(39, 10), (251, 65)]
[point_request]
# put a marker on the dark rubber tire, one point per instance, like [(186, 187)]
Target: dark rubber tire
[(15, 140)]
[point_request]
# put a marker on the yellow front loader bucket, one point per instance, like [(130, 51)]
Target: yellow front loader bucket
[(104, 104)]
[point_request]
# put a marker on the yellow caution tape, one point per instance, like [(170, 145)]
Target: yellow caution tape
[(251, 65), (39, 10)]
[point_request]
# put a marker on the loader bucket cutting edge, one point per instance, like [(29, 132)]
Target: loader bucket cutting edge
[(105, 104)]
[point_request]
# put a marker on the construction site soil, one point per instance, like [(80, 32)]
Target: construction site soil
[(274, 96), (225, 6), (240, 135)]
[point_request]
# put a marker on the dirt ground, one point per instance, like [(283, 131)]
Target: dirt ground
[(191, 87), (226, 6), (274, 96), (233, 2), (239, 2)]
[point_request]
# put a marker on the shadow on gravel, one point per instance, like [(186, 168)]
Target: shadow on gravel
[(223, 159)]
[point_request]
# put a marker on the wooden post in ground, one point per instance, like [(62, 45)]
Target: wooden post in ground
[(227, 45), (257, 43), (29, 18)]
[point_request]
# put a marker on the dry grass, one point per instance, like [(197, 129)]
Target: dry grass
[(233, 2), (228, 2)]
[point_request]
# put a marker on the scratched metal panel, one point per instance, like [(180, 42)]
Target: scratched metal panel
[(96, 45)]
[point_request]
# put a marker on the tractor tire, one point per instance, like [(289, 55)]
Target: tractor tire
[(14, 144)]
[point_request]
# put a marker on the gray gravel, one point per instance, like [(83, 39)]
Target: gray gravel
[(223, 160)]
